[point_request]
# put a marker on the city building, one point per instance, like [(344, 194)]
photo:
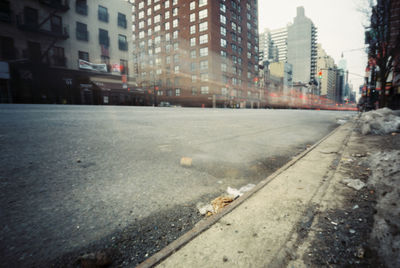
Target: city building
[(197, 53), (302, 48), (60, 51), (279, 38), (268, 50), (326, 73), (284, 71)]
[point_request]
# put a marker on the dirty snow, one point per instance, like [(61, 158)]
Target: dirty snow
[(386, 180), (382, 121)]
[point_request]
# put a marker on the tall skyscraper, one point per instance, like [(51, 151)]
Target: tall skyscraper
[(279, 37), (197, 53), (302, 47), (268, 49)]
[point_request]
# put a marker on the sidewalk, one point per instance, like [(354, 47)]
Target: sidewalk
[(264, 228)]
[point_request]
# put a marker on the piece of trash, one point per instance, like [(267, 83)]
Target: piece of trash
[(360, 253), (334, 223), (221, 202), (204, 209), (394, 134), (186, 161), (341, 121), (355, 184), (355, 207), (236, 193), (352, 231)]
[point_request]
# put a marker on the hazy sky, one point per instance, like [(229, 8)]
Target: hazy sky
[(338, 22)]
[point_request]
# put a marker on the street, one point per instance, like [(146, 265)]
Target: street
[(73, 175)]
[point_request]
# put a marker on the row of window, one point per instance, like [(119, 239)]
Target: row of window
[(81, 7), (82, 34), (204, 90)]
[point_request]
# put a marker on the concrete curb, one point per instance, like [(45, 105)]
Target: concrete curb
[(205, 224)]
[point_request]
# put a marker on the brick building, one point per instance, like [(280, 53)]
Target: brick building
[(197, 53), (66, 51)]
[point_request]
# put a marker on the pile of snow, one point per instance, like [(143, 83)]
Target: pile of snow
[(385, 179), (382, 121)]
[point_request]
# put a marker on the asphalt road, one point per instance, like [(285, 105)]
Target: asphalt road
[(71, 175)]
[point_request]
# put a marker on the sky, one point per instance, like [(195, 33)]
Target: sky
[(339, 24)]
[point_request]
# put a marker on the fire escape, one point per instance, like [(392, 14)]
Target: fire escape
[(51, 26)]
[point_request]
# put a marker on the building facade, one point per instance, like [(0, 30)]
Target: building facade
[(302, 48), (197, 53), (326, 69), (61, 51)]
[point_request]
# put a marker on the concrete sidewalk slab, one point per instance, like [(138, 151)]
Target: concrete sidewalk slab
[(256, 233)]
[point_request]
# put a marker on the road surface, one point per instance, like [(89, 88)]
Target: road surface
[(72, 175)]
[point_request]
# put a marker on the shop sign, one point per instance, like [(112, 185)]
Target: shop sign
[(92, 66)]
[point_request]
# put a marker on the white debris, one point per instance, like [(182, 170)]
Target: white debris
[(382, 121), (236, 193), (355, 184), (341, 121), (204, 208)]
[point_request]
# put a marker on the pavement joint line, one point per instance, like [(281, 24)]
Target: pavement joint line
[(206, 223)]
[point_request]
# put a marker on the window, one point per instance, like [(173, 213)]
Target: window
[(193, 54), (141, 24), (177, 91), (222, 7), (148, 11), (141, 5), (223, 54), (167, 26), (122, 42), (102, 14), (81, 32), (222, 19), (202, 3), (176, 46), (204, 65), (223, 43), (175, 35), (174, 2), (141, 14), (203, 51), (157, 18), (194, 78), (157, 28), (157, 7), (167, 14), (175, 23), (83, 55), (141, 34), (123, 66), (81, 7), (121, 20), (192, 41), (193, 29), (166, 4), (224, 91), (193, 66), (223, 31), (203, 14), (103, 38), (203, 39), (175, 11), (31, 16), (192, 17), (192, 5), (176, 58), (223, 67), (204, 89), (194, 91), (204, 77), (203, 26), (57, 56)]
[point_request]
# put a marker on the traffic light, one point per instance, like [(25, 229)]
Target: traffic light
[(320, 74)]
